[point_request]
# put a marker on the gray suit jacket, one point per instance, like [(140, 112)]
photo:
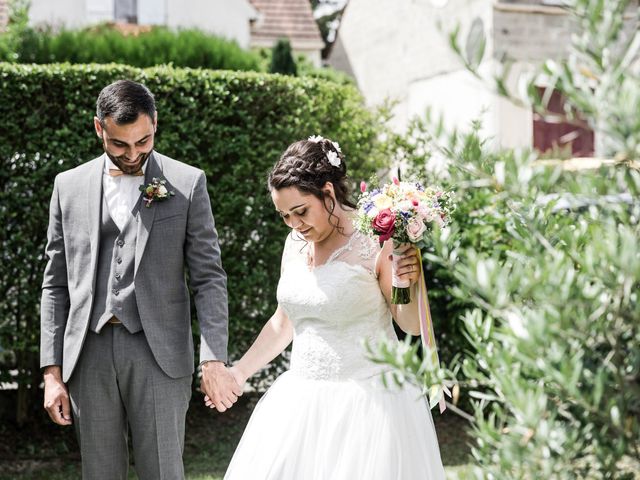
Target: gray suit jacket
[(173, 234)]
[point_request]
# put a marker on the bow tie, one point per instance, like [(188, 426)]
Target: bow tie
[(114, 172)]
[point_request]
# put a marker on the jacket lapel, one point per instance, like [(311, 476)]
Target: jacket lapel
[(146, 214), (94, 201)]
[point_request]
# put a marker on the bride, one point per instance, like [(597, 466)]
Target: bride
[(329, 417)]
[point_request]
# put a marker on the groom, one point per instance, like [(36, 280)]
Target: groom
[(116, 341)]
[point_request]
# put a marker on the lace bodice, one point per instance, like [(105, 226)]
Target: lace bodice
[(334, 308)]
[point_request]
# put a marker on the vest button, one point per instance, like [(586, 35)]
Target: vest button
[(120, 243), (115, 291), (119, 260), (118, 276)]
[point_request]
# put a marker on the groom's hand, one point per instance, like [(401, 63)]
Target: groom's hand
[(219, 386), (56, 396)]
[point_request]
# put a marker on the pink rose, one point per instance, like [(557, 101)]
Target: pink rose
[(384, 224), (415, 229), (425, 212)]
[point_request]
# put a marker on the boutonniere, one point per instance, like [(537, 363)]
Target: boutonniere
[(156, 190)]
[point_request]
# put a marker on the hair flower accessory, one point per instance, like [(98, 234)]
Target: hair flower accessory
[(332, 155), (333, 158)]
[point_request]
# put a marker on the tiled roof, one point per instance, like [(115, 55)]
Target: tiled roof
[(292, 19)]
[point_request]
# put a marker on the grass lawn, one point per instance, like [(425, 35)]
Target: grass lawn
[(45, 451)]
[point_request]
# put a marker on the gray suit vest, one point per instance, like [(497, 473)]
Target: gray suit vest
[(115, 294)]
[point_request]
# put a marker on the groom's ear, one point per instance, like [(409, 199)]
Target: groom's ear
[(98, 127), (155, 121)]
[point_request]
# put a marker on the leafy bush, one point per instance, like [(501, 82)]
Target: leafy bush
[(544, 266), (232, 125), (103, 44)]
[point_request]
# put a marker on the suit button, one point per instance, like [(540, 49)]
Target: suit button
[(119, 260), (118, 276), (120, 243), (115, 291)]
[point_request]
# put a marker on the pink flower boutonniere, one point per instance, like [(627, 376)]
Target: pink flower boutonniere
[(156, 190)]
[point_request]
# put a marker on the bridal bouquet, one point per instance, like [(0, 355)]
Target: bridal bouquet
[(404, 212)]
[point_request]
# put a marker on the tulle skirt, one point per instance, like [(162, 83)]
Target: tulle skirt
[(304, 429)]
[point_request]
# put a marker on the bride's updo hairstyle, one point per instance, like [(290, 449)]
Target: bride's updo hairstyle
[(308, 165)]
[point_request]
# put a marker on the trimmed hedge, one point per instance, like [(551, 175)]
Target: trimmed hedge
[(103, 44), (233, 125)]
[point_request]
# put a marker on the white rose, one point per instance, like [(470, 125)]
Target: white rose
[(162, 191), (405, 206)]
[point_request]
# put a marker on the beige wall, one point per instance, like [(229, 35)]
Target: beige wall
[(314, 56), (59, 13), (399, 50), (226, 18)]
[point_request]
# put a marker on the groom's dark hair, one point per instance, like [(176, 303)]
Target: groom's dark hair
[(123, 101)]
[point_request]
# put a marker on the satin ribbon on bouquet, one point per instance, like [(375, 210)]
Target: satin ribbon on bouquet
[(436, 392)]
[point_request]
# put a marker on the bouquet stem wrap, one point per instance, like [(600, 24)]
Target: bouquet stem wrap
[(400, 288), (436, 392)]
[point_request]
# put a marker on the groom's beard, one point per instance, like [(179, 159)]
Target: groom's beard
[(127, 168)]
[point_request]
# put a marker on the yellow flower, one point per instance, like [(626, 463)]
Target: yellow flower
[(382, 201)]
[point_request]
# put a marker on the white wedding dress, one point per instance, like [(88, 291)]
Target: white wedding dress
[(329, 417)]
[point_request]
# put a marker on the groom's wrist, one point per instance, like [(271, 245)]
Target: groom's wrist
[(204, 362), (52, 371)]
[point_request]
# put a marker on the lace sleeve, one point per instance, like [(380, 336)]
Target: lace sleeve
[(369, 250), (360, 250)]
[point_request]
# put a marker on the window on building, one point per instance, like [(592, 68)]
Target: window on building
[(126, 11)]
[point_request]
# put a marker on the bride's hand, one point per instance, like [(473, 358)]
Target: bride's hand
[(408, 266), (237, 376)]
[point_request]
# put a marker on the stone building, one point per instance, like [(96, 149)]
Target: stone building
[(251, 23), (402, 52)]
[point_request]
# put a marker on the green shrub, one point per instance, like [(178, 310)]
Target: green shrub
[(232, 125), (544, 265), (307, 69), (282, 59), (103, 44)]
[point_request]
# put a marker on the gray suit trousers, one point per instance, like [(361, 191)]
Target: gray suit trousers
[(117, 385)]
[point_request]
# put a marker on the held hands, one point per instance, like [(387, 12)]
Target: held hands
[(220, 387), (56, 396), (408, 267)]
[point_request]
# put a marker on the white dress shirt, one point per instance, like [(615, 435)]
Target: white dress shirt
[(121, 192)]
